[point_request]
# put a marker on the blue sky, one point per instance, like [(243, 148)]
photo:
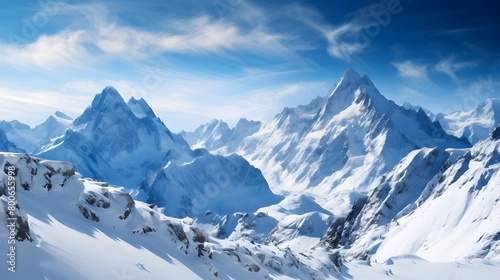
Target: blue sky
[(194, 60)]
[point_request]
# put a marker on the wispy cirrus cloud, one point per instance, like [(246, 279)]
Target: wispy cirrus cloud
[(47, 51), (341, 39), (412, 70), (100, 35), (450, 66)]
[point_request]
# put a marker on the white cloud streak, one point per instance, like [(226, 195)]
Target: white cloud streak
[(412, 70), (450, 67)]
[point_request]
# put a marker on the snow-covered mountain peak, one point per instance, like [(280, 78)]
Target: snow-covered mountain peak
[(140, 108), (108, 95), (63, 116), (109, 102), (351, 80), (476, 124), (109, 141), (352, 89)]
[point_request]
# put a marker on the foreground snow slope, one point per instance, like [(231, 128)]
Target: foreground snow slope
[(69, 227), (75, 228)]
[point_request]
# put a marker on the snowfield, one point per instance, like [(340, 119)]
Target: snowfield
[(85, 229)]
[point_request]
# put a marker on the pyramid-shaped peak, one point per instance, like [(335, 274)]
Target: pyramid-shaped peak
[(110, 90), (109, 96), (352, 75), (109, 101)]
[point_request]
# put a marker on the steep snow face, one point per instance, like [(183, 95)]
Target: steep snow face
[(140, 108), (457, 214), (6, 145), (223, 185), (335, 146), (475, 125), (60, 215), (30, 139), (53, 127), (364, 229), (112, 142), (211, 136)]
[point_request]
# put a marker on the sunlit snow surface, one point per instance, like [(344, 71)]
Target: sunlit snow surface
[(147, 245)]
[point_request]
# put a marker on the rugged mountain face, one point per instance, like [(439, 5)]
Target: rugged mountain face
[(365, 227), (335, 146), (211, 135), (435, 204), (31, 139), (60, 215), (475, 125), (7, 146), (114, 143), (217, 135), (457, 214), (126, 144)]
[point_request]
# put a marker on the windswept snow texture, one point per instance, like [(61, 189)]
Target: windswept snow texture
[(336, 146)]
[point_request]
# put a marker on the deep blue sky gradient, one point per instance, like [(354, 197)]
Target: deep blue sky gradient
[(194, 60)]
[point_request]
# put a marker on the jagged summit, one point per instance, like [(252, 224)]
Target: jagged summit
[(352, 88), (140, 108), (109, 101), (351, 79), (61, 115), (109, 93)]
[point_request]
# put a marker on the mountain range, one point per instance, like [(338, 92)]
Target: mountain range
[(351, 185)]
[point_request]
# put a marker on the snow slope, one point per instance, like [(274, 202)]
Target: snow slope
[(433, 204), (70, 227), (458, 212), (78, 228)]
